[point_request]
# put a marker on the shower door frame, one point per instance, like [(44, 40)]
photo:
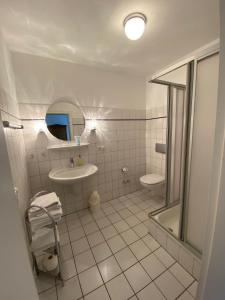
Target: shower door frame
[(192, 81), (185, 142), (190, 97)]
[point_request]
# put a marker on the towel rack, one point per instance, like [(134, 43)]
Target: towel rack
[(56, 246), (7, 124)]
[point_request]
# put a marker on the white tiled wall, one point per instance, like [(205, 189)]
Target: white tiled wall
[(156, 130), (155, 133), (119, 141), (156, 127), (17, 158), (14, 138)]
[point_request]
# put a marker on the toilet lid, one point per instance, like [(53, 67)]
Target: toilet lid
[(152, 179)]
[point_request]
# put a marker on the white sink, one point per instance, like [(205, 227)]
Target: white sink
[(71, 175)]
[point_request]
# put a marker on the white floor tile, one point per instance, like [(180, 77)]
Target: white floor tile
[(70, 290), (44, 282), (181, 275), (121, 226), (125, 258), (119, 288), (114, 218), (125, 213), (164, 257), (150, 242), (137, 277), (129, 236), (196, 269), (86, 219), (133, 298), (66, 252), (109, 210), (72, 220), (116, 243), (80, 246), (62, 227), (186, 260), (132, 221), (141, 230), (119, 206), (109, 268), (64, 239), (153, 266), (193, 289), (48, 295), (76, 234), (84, 261), (98, 214), (139, 249), (144, 204), (68, 269), (134, 209), (142, 216), (169, 286), (90, 280), (99, 294), (95, 238), (185, 296), (102, 223), (109, 232), (173, 247), (90, 228), (101, 252), (74, 225), (151, 292)]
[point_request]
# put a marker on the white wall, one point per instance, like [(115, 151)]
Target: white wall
[(213, 271), (14, 139), (202, 149), (42, 80), (16, 276), (17, 280), (177, 76)]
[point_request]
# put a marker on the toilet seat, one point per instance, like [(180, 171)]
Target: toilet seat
[(151, 179)]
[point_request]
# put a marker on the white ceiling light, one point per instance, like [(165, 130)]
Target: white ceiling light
[(134, 25)]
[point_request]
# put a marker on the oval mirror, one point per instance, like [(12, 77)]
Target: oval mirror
[(65, 120)]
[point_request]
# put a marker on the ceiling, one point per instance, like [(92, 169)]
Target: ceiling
[(90, 32)]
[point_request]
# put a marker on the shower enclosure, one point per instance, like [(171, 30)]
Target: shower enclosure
[(191, 109)]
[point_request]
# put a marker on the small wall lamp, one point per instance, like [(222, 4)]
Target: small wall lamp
[(93, 124)]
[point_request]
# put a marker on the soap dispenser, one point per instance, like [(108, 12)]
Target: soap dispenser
[(79, 161)]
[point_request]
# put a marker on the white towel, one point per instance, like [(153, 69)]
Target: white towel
[(39, 221), (43, 238), (47, 201)]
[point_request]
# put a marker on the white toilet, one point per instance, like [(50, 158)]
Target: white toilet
[(152, 181)]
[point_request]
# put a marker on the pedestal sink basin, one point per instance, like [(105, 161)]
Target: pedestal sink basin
[(71, 175)]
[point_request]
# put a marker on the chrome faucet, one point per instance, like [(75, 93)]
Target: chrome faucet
[(71, 162)]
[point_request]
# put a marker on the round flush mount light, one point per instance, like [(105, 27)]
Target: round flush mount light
[(134, 25)]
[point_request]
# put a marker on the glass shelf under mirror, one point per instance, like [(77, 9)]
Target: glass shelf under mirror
[(65, 146)]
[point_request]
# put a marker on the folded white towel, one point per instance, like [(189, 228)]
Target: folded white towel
[(39, 221), (47, 201), (43, 238)]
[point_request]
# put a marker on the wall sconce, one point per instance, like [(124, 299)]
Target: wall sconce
[(93, 124), (39, 127)]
